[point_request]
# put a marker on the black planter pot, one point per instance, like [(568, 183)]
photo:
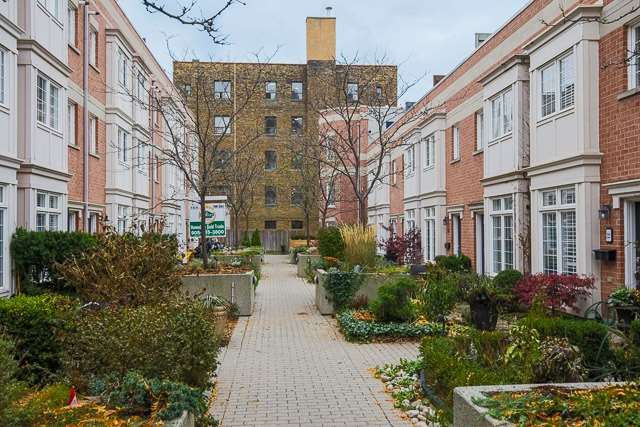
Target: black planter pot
[(626, 314), (484, 314)]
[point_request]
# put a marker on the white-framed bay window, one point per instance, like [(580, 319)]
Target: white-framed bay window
[(52, 6), (123, 218), (429, 148), (410, 217), (48, 211), (558, 85), (502, 114), (634, 56), (410, 160), (123, 68), (502, 232), (4, 76), (559, 246), (48, 102), (123, 145), (430, 234)]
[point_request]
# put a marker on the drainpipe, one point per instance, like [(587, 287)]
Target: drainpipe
[(152, 172)]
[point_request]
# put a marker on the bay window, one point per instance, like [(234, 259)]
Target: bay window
[(430, 234), (502, 233), (47, 211), (502, 114), (123, 214), (123, 65), (557, 85), (411, 219), (429, 151), (559, 247), (48, 102), (123, 145), (410, 160)]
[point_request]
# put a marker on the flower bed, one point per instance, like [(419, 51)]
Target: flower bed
[(361, 326)]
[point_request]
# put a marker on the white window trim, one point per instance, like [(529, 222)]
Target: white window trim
[(72, 124), (554, 66), (93, 47), (429, 152), (634, 57), (455, 152), (226, 93), (410, 163), (225, 129), (72, 12), (429, 233), (123, 65), (502, 213), (123, 146), (4, 76), (48, 211), (479, 130), (558, 208), (501, 124), (93, 135), (47, 104)]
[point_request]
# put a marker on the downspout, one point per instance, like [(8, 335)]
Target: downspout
[(152, 172), (85, 120)]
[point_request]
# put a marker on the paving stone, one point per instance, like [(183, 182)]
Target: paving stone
[(288, 365)]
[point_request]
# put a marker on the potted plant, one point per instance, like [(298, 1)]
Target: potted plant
[(482, 297), (627, 304), (220, 310)]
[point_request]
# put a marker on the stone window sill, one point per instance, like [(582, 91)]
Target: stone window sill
[(629, 93)]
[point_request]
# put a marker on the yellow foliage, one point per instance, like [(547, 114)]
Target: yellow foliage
[(359, 245)]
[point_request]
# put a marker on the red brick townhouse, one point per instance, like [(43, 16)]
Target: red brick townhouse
[(43, 184), (527, 154)]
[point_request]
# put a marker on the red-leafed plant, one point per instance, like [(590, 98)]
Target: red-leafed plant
[(404, 249), (554, 290)]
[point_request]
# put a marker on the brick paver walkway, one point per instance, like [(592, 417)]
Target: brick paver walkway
[(288, 365)]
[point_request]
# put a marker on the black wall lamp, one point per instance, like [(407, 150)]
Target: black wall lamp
[(604, 212)]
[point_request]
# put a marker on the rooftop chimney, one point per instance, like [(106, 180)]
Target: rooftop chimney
[(321, 38), (437, 78)]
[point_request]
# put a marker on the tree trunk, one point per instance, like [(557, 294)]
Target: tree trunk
[(307, 231), (362, 209), (203, 233), (236, 229)]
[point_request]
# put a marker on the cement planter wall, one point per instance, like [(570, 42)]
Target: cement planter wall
[(466, 413), (254, 261), (304, 260), (371, 282), (238, 289), (186, 420)]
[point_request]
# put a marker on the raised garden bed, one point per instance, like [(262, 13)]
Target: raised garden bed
[(368, 290), (568, 404), (361, 326), (253, 261), (238, 288), (304, 261)]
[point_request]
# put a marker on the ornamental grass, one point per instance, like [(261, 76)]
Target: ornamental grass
[(360, 245)]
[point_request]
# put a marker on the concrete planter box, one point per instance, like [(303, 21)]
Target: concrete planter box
[(371, 282), (466, 413), (303, 261), (255, 261), (186, 420), (238, 289)]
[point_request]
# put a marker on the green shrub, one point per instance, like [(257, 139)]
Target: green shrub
[(37, 253), (454, 263), (634, 332), (125, 269), (591, 337), (341, 287), (255, 238), (246, 241), (36, 408), (330, 243), (393, 303), (506, 280), (364, 331), (438, 298), (9, 368), (34, 324), (174, 341)]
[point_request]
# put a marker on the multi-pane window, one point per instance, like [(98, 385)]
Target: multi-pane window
[(270, 125), (430, 234), (222, 159), (141, 90), (93, 135), (456, 143), (123, 218), (297, 91), (270, 91), (331, 193), (47, 211), (48, 102), (479, 130), (297, 225), (72, 14), (352, 92), (559, 246), (297, 197), (411, 219), (429, 151), (410, 160), (557, 85), (93, 47), (502, 233), (634, 57), (502, 114), (270, 196), (379, 93), (93, 222), (221, 125), (270, 225), (270, 160), (186, 89), (222, 89), (123, 145), (52, 6), (4, 58), (72, 220), (123, 68), (297, 125), (72, 136)]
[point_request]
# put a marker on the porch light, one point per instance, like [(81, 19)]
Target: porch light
[(604, 212)]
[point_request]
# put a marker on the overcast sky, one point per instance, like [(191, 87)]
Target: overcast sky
[(423, 37)]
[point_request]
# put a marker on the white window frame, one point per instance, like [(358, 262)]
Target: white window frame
[(502, 213), (222, 89), (93, 135), (430, 233), (48, 102), (122, 218), (634, 56), (123, 65), (501, 114), (271, 90), (72, 218), (480, 130), (297, 131), (274, 158), (565, 261), (352, 92), (143, 155), (50, 210), (51, 6), (297, 95), (72, 115), (222, 125), (4, 75), (72, 30), (559, 81), (267, 189), (331, 193), (392, 173), (93, 47), (123, 145), (455, 154), (410, 160), (429, 147), (410, 216)]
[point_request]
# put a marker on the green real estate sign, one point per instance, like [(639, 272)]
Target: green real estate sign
[(215, 216), (214, 229)]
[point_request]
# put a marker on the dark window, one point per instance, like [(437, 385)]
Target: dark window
[(296, 162), (379, 92), (270, 160), (270, 196), (297, 197), (222, 89), (297, 125), (297, 225), (270, 225), (270, 125), (270, 91), (352, 92), (297, 91), (222, 159), (186, 90)]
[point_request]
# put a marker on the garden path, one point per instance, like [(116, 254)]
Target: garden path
[(288, 365)]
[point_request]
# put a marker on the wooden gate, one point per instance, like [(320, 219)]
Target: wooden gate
[(275, 241)]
